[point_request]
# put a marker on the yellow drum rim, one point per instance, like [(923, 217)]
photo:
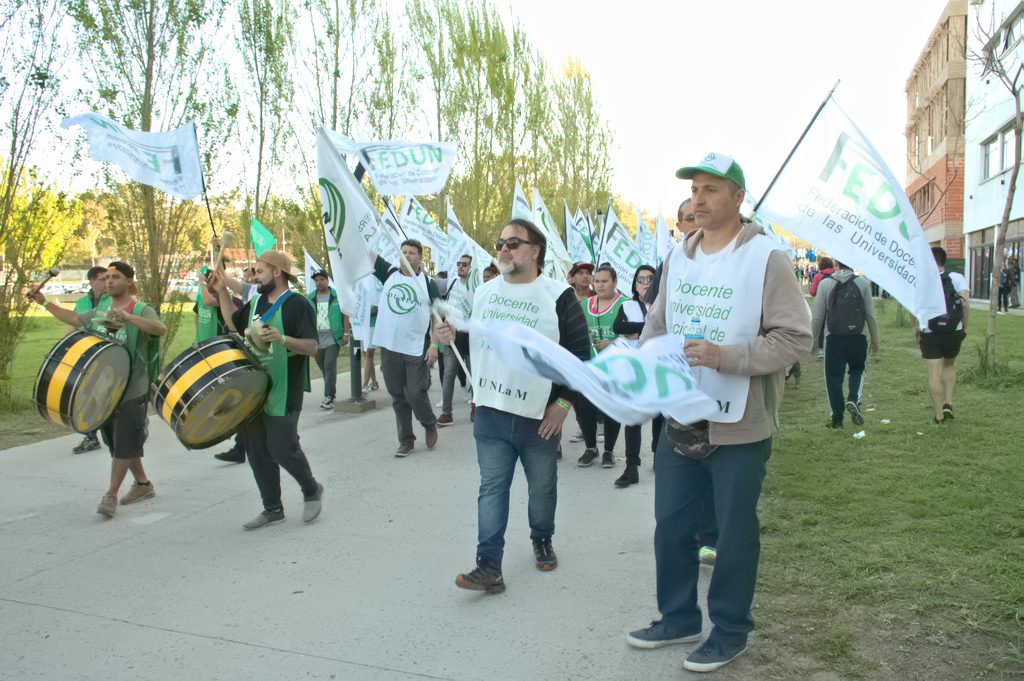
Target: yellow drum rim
[(60, 375), (188, 379)]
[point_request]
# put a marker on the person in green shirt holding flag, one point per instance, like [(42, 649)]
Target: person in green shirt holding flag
[(286, 323), (138, 326), (330, 328), (97, 277)]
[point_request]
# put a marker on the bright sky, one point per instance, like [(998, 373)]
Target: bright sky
[(743, 77)]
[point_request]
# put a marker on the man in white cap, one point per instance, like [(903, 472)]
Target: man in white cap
[(287, 327), (753, 324)]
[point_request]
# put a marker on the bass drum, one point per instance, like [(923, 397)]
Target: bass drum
[(209, 391), (82, 380)]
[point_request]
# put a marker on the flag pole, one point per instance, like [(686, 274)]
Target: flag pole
[(796, 146), (202, 178)]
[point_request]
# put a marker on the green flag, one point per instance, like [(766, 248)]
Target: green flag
[(262, 239)]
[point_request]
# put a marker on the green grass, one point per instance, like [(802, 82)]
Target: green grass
[(899, 555)]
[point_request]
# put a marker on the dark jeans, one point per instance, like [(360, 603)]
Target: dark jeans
[(327, 360), (407, 378), (734, 473), (842, 352), (589, 416), (451, 371), (657, 425), (1004, 299), (501, 439), (272, 443)]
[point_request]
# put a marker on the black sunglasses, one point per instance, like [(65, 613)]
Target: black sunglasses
[(513, 242), (645, 280), (463, 264)]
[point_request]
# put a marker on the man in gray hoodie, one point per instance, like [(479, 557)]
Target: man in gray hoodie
[(835, 306), (733, 301)]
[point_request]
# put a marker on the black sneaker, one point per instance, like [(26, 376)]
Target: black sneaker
[(231, 456), (947, 412), (481, 579), (607, 460), (713, 655), (587, 459), (545, 555), (658, 635), (853, 409), (88, 444), (834, 425), (629, 477)]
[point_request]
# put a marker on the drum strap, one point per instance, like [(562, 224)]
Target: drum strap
[(265, 317)]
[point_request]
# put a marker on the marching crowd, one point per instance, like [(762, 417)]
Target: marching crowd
[(709, 473)]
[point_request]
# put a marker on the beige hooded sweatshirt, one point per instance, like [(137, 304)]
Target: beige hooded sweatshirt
[(784, 338)]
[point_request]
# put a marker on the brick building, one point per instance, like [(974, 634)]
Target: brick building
[(936, 106)]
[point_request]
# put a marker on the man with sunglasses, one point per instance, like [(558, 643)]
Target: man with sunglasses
[(519, 416), (753, 324), (404, 335)]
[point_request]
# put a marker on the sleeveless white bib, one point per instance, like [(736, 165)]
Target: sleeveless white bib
[(403, 316), (533, 305), (724, 290)]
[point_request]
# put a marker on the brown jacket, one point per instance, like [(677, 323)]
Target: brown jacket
[(784, 337)]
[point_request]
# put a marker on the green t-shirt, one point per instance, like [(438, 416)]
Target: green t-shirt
[(138, 382), (600, 320)]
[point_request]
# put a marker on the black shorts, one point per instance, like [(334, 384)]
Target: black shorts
[(125, 432), (944, 345)]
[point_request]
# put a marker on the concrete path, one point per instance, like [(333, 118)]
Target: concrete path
[(173, 588)]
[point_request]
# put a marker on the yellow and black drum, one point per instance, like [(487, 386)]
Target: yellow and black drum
[(208, 392), (82, 380)]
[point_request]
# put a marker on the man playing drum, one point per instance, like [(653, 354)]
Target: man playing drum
[(138, 326), (97, 277), (286, 325)]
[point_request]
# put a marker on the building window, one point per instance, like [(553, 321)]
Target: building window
[(989, 159), (1008, 149)]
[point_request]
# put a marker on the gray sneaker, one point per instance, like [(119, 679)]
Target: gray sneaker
[(311, 506), (265, 518), (713, 655), (659, 635)]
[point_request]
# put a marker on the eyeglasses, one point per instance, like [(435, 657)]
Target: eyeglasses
[(645, 280), (463, 264), (513, 242)]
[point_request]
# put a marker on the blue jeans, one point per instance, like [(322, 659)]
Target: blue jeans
[(734, 473), (501, 438)]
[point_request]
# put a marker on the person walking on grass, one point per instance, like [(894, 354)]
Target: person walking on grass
[(940, 339), (724, 265), (519, 416), (844, 316), (136, 325), (97, 277)]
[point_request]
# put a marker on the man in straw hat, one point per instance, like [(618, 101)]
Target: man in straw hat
[(137, 325), (283, 327)]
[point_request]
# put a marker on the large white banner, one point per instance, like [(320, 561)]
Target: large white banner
[(663, 238), (460, 244), (577, 236), (345, 208), (645, 241), (838, 194), (413, 168), (168, 160), (367, 294), (628, 384), (418, 224), (520, 206), (556, 259), (621, 253)]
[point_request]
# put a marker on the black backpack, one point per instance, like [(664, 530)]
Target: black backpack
[(844, 312), (954, 308)]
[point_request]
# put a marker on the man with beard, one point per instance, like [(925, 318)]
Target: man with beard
[(286, 325), (519, 416)]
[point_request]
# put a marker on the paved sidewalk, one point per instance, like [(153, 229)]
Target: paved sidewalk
[(173, 588)]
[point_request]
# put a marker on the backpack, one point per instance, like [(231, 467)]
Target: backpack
[(844, 312), (954, 308)]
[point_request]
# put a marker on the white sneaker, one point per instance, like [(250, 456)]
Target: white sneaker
[(327, 404), (439, 405), (578, 437)]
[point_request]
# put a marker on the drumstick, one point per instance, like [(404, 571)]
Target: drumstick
[(218, 264), (49, 275)]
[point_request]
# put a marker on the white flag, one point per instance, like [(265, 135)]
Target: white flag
[(628, 384), (556, 259), (459, 244), (418, 224), (838, 194), (520, 206), (663, 237), (367, 294), (611, 221), (622, 254), (577, 236), (645, 241), (168, 160), (413, 168), (345, 208), (391, 236), (312, 267)]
